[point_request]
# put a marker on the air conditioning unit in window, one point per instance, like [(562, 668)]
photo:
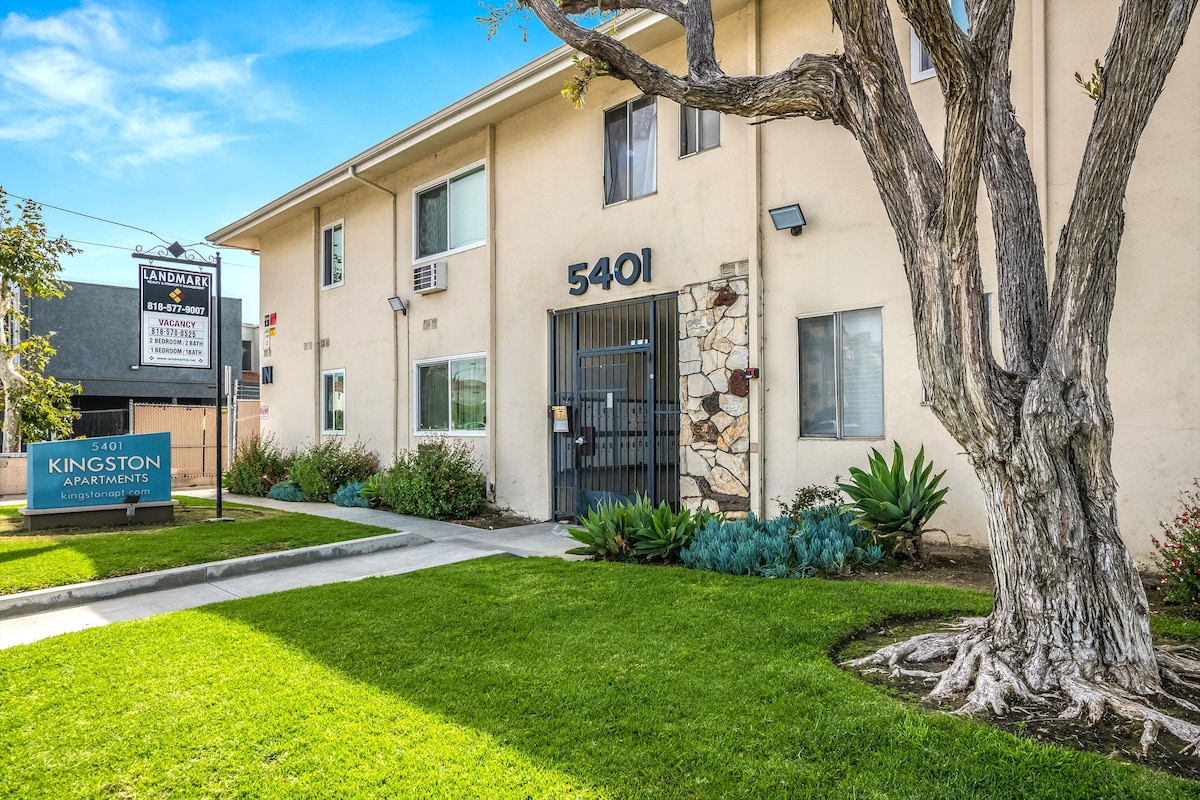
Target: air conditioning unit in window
[(430, 278)]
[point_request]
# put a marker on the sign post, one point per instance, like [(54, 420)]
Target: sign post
[(171, 302)]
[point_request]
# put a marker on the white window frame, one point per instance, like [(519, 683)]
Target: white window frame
[(701, 147), (917, 51), (628, 106), (326, 229), (840, 398), (447, 180), (416, 406), (327, 431)]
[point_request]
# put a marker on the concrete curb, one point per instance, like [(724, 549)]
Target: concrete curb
[(16, 605)]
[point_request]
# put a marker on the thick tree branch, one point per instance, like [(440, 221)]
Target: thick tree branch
[(700, 37), (811, 86), (946, 44), (1016, 221), (675, 9), (1147, 39)]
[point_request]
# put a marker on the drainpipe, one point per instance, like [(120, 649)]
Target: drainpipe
[(759, 481), (353, 171), (317, 320), (493, 429)]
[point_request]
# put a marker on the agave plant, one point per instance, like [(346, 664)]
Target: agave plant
[(604, 532), (893, 505), (666, 535)]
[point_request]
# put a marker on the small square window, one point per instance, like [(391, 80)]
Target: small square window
[(841, 375), (333, 401), (630, 150), (333, 261), (699, 130), (451, 214)]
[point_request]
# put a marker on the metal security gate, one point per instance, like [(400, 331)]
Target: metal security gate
[(615, 369)]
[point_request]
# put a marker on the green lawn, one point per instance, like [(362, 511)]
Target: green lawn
[(506, 678), (65, 556)]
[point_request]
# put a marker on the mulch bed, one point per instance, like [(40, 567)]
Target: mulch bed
[(1112, 736)]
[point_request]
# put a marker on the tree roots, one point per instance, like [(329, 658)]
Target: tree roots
[(989, 678)]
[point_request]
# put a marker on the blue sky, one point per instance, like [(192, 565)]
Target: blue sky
[(180, 117)]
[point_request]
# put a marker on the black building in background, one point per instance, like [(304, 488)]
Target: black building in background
[(96, 333)]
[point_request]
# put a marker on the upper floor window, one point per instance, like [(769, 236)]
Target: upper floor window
[(333, 401), (333, 266), (630, 150), (699, 130), (451, 214), (841, 375), (922, 64), (452, 395)]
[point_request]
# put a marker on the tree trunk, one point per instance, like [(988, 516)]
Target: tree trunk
[(12, 422), (1069, 601)]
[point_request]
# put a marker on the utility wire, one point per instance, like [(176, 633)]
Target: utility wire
[(89, 216)]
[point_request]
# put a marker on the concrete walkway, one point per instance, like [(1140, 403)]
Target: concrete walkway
[(419, 544)]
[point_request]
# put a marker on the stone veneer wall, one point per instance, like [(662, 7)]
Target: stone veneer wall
[(714, 434)]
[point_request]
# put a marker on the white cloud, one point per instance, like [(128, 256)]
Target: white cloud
[(113, 88), (59, 77), (362, 23), (210, 74), (88, 25)]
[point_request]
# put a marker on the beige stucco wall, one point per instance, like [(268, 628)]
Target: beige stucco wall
[(545, 170), (550, 211)]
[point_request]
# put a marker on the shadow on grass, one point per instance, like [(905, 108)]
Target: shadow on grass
[(669, 682), (29, 552)]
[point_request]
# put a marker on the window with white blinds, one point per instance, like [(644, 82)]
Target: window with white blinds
[(841, 375)]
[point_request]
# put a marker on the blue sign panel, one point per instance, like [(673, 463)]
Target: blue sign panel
[(98, 472)]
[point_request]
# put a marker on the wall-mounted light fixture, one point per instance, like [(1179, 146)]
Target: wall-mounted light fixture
[(398, 305), (789, 218)]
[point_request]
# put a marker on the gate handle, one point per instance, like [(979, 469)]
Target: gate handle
[(581, 441)]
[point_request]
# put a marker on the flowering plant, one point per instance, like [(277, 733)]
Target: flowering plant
[(1179, 552)]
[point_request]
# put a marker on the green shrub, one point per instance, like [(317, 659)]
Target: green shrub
[(827, 498), (636, 531), (349, 497), (286, 490), (438, 480), (1179, 553), (892, 505), (369, 489), (329, 464), (823, 543), (258, 464)]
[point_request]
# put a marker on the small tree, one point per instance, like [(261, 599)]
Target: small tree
[(29, 267)]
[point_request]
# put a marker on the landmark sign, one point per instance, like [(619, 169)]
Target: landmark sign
[(176, 314)]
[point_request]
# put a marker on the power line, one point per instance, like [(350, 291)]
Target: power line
[(89, 216)]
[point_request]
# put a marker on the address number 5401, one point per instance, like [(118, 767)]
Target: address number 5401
[(628, 269)]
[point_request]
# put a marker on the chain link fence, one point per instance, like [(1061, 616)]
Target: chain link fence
[(193, 432)]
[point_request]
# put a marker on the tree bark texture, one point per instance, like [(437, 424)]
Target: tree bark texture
[(11, 379), (1071, 616)]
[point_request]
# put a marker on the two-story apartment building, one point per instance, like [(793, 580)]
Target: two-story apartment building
[(512, 254)]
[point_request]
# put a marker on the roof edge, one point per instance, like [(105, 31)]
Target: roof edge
[(474, 104)]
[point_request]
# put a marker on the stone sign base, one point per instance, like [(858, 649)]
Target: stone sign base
[(37, 519)]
